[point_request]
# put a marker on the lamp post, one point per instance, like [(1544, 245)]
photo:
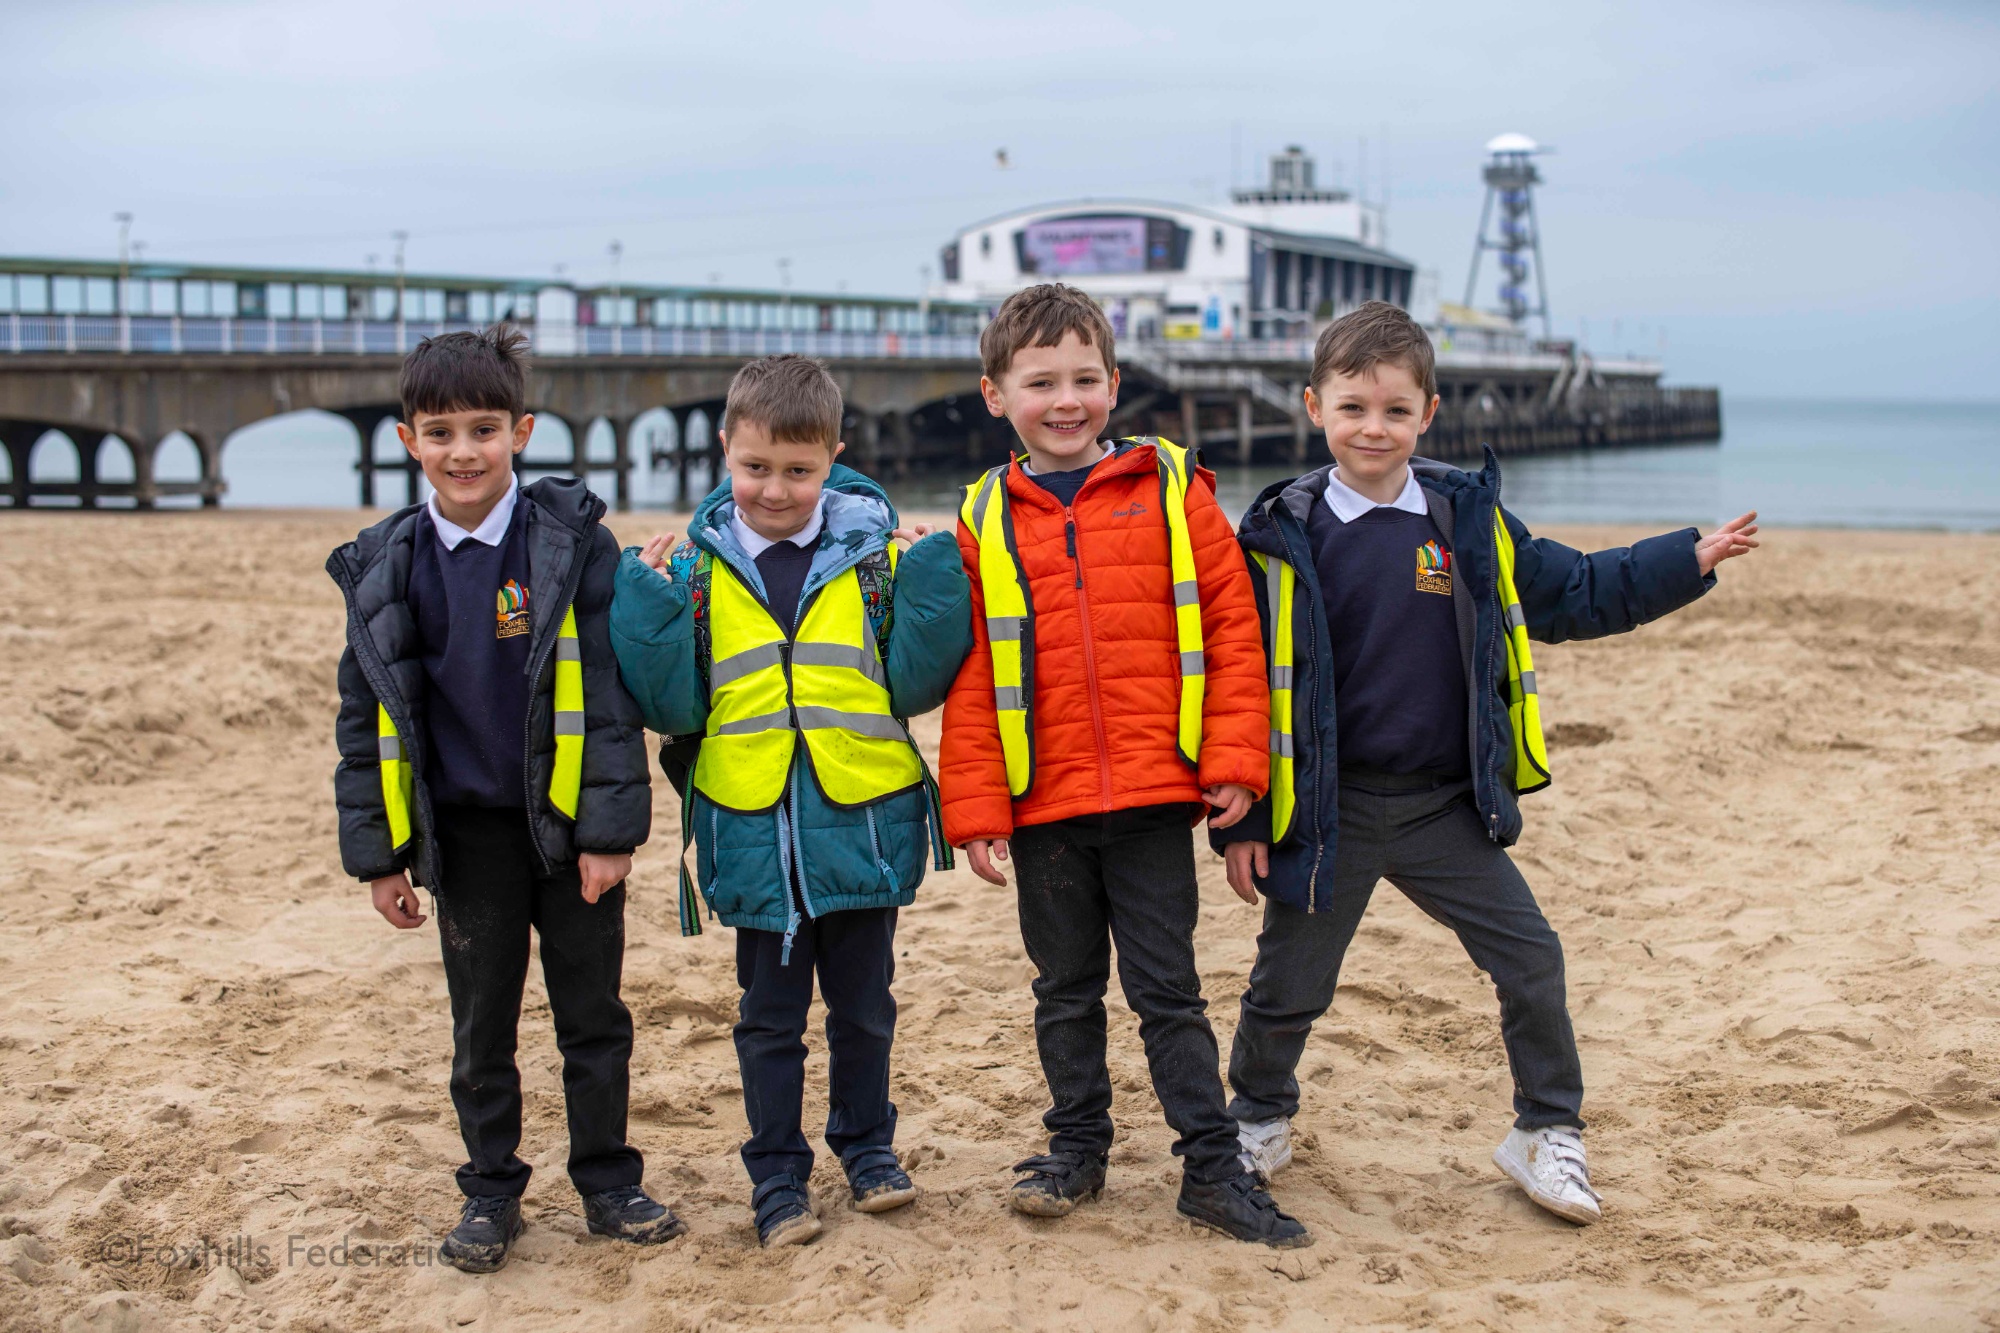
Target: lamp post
[(617, 252), (124, 221), (401, 238)]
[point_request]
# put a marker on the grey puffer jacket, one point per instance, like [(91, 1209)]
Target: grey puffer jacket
[(573, 558)]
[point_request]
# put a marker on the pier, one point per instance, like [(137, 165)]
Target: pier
[(142, 357)]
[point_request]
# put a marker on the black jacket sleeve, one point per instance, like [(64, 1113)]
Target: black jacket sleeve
[(365, 851), (614, 811), (1566, 594)]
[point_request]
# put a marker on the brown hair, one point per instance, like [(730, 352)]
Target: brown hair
[(1376, 333), (1039, 316), (790, 396), (467, 372)]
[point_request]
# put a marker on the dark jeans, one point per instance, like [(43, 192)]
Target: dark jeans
[(496, 893), (854, 954), (1431, 845), (1125, 877)]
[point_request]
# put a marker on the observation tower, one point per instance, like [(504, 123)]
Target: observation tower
[(1511, 178)]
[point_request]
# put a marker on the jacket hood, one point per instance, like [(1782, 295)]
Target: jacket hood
[(859, 519)]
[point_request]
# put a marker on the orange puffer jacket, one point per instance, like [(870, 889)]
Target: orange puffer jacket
[(1106, 665)]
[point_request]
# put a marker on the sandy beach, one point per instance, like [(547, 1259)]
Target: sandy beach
[(1770, 851)]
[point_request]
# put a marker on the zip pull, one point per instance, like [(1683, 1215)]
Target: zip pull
[(1069, 541)]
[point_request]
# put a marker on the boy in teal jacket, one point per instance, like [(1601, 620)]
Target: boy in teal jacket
[(779, 650)]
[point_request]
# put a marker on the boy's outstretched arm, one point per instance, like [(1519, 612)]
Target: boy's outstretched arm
[(365, 849), (1566, 594), (652, 636), (614, 810), (972, 768), (930, 631), (1235, 766)]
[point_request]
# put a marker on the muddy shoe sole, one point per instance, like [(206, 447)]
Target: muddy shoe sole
[(884, 1198), (792, 1231), (656, 1232), (1041, 1203)]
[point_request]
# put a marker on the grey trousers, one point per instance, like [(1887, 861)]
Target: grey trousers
[(1431, 845)]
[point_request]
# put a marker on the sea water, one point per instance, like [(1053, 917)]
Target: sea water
[(1800, 463)]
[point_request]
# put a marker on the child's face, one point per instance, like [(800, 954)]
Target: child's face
[(1372, 421), (1057, 399), (467, 457), (775, 483)]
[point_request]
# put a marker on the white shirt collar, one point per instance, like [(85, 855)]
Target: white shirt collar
[(491, 531), (755, 545), (1349, 504)]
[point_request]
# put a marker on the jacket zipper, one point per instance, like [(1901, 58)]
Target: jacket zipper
[(1319, 750), (1089, 655)]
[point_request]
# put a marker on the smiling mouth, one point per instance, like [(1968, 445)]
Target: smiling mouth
[(465, 476), (1066, 427)]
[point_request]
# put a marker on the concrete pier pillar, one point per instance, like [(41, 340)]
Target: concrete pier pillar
[(901, 441), (144, 452), (621, 443), (1190, 423), (1301, 423), (19, 438), (87, 443), (1245, 440)]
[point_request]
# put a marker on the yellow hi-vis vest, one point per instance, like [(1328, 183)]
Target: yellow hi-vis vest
[(565, 781), (766, 690), (1524, 708), (1010, 612)]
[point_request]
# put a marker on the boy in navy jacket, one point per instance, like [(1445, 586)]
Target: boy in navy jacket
[(489, 754), (1399, 600)]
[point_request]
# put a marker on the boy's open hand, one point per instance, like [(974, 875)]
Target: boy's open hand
[(1229, 802), (913, 534), (1239, 859), (656, 553), (397, 901), (982, 852), (1734, 538), (601, 874)]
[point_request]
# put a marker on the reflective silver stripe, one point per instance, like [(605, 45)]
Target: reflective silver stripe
[(1281, 744), (746, 726), (569, 723), (1186, 593), (568, 649), (838, 655), (1003, 627), (1007, 698), (1527, 682), (1515, 620), (738, 665), (1274, 591), (1281, 678), (1192, 665), (980, 501), (390, 749), (877, 725)]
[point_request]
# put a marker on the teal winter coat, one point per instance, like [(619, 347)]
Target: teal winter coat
[(840, 858)]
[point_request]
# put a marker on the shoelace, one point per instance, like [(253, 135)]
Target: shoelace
[(484, 1209), (1566, 1151)]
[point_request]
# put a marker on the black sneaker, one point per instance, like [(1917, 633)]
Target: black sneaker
[(1240, 1208), (785, 1211), (1056, 1183), (628, 1214), (485, 1232), (879, 1183)]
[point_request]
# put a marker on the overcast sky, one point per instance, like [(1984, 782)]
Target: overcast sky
[(1802, 198)]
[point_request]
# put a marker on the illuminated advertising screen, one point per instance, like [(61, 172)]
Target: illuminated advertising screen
[(1085, 245)]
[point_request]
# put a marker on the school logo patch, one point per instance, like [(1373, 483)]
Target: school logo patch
[(511, 611), (1433, 568)]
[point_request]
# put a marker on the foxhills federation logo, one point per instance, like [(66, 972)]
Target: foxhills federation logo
[(512, 613), (1433, 569)]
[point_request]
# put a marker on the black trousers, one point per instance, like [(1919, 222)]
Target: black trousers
[(495, 893), (854, 955), (1125, 877), (1430, 845)]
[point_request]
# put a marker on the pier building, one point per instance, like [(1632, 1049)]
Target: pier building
[(1275, 262)]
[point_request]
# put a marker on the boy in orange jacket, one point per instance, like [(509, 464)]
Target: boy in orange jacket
[(1116, 689)]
